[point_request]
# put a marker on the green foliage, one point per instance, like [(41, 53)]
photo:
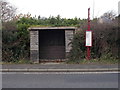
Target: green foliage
[(51, 21), (16, 44), (14, 47), (78, 48), (55, 21)]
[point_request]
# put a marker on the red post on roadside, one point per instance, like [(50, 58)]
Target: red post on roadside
[(88, 18), (88, 53), (88, 37)]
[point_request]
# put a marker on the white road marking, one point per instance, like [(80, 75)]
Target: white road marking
[(59, 72)]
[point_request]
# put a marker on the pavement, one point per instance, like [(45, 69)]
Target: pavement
[(58, 67)]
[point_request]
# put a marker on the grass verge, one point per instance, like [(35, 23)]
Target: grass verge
[(18, 62), (93, 61), (82, 61)]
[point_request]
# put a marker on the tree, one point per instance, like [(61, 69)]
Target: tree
[(7, 11), (109, 15)]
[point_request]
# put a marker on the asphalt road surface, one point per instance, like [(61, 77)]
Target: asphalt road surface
[(60, 80)]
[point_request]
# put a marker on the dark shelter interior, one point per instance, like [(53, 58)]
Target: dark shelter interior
[(52, 44)]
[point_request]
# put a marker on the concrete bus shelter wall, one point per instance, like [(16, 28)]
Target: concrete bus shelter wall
[(35, 42)]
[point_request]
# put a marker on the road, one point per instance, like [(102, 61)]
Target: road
[(60, 80)]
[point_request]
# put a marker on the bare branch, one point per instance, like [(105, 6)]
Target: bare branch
[(7, 11)]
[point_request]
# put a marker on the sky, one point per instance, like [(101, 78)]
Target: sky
[(65, 8)]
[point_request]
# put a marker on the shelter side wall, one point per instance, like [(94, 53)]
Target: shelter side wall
[(34, 46), (68, 38)]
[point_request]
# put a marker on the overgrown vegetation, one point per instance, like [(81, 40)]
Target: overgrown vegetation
[(105, 43), (78, 46)]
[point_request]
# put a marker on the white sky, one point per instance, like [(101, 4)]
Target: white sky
[(65, 8)]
